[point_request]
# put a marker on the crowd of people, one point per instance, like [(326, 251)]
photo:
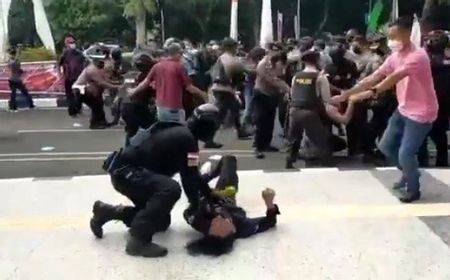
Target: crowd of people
[(379, 96)]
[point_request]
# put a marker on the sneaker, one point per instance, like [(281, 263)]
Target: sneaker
[(12, 110), (259, 155), (407, 197), (97, 126), (138, 248), (399, 186)]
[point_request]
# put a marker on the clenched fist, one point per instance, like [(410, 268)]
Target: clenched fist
[(268, 196)]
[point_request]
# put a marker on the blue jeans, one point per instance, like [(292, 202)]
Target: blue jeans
[(401, 143), (248, 95), (171, 115)]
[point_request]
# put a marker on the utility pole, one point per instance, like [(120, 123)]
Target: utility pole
[(298, 23)]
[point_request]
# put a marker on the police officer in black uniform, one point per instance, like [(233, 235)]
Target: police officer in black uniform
[(307, 110), (143, 172), (440, 67)]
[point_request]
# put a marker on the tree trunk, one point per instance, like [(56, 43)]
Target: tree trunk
[(141, 33)]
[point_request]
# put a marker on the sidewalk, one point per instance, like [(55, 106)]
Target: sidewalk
[(334, 225)]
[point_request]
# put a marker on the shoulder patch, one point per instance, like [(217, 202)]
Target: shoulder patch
[(193, 159)]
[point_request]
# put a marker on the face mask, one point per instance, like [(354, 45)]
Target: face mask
[(395, 45), (72, 46)]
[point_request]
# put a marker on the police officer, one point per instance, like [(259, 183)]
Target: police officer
[(440, 67), (143, 172), (310, 89), (135, 109)]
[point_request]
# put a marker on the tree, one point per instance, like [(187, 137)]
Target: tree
[(90, 21), (138, 9)]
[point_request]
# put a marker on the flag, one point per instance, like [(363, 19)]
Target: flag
[(374, 16), (266, 35), (394, 14), (42, 26), (416, 34), (280, 26), (234, 20), (4, 12)]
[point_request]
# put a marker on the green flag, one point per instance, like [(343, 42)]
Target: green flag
[(374, 16)]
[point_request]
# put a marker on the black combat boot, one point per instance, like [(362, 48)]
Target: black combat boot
[(104, 213), (139, 248)]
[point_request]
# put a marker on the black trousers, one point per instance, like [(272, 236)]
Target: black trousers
[(15, 86), (377, 125), (153, 196), (264, 111), (95, 103), (357, 131), (438, 135), (226, 102), (136, 115), (73, 98)]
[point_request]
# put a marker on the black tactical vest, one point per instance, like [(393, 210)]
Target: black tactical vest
[(304, 92)]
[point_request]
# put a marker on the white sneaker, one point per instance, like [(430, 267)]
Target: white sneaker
[(12, 111)]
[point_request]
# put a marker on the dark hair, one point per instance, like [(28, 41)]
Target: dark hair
[(311, 57), (256, 54), (13, 51), (405, 23), (211, 246), (279, 56)]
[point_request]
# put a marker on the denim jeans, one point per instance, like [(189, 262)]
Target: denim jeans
[(401, 143), (248, 95), (171, 115)]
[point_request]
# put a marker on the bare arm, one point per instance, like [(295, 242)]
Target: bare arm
[(143, 86), (263, 72), (197, 92), (333, 113)]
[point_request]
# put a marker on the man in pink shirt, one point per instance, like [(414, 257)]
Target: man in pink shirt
[(407, 68), (169, 79)]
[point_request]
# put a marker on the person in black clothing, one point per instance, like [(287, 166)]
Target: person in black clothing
[(343, 74), (16, 82), (143, 172), (72, 62), (221, 221), (135, 109), (440, 67)]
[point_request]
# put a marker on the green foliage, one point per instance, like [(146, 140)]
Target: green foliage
[(36, 54)]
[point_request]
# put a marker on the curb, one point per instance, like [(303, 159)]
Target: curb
[(38, 103)]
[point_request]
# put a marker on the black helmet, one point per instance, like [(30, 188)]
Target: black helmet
[(143, 62), (437, 41), (116, 54), (204, 122)]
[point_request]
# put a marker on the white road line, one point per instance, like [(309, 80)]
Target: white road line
[(101, 153), (46, 159), (67, 130)]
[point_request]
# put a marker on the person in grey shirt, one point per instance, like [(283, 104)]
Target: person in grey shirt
[(16, 82)]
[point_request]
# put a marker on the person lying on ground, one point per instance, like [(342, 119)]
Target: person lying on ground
[(221, 221)]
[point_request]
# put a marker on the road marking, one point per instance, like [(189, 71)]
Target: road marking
[(99, 153), (45, 159), (290, 214), (67, 130)]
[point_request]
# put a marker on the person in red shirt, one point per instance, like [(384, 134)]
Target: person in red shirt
[(169, 79)]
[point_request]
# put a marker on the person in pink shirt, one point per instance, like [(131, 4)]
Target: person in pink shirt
[(408, 69)]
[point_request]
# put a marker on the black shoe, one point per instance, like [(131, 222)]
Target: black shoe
[(103, 213), (138, 248), (98, 126), (407, 197), (271, 149), (259, 155), (243, 135), (212, 145), (290, 164)]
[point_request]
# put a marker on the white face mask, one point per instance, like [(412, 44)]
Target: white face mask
[(72, 46), (395, 45)]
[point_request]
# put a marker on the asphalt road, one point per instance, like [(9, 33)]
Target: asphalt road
[(48, 143)]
